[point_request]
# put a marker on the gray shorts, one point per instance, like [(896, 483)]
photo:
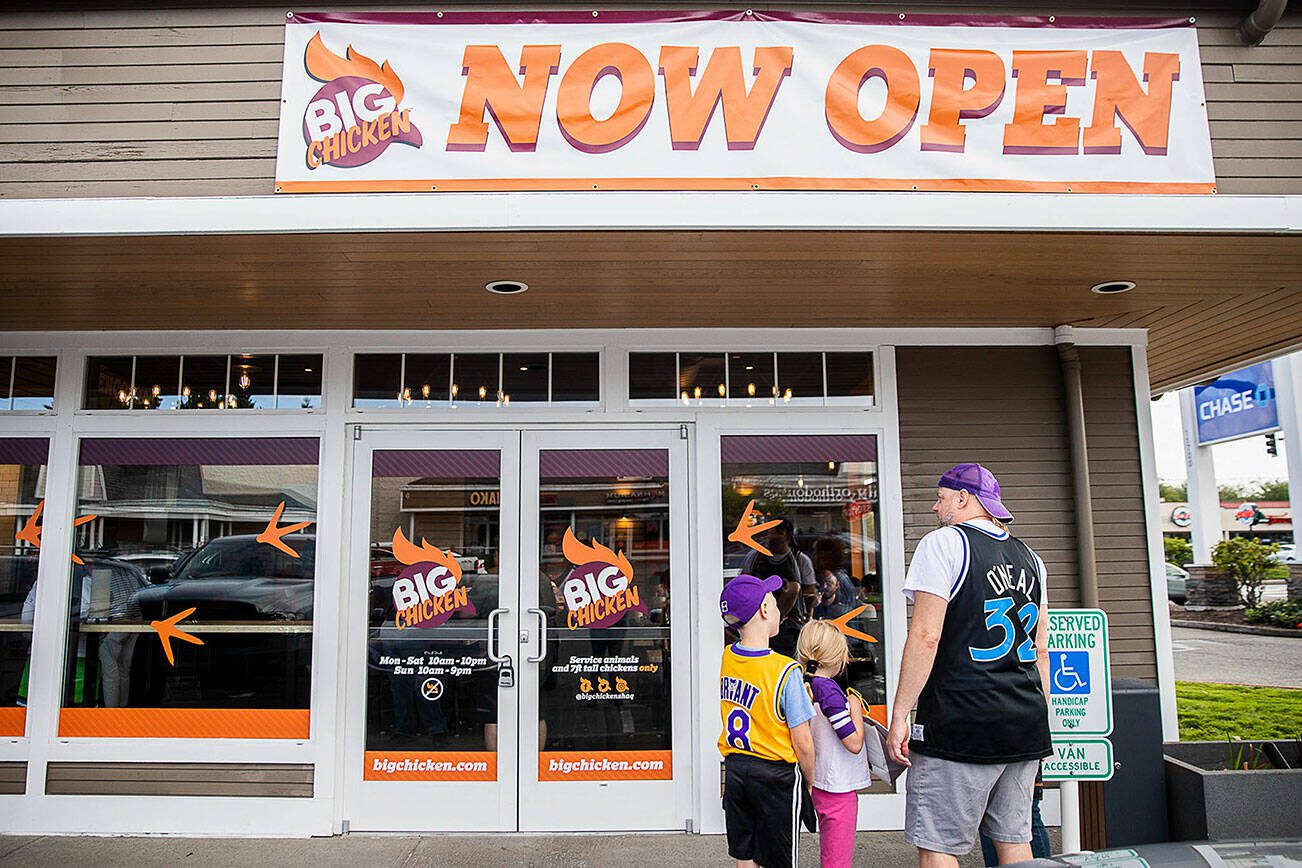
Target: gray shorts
[(948, 802)]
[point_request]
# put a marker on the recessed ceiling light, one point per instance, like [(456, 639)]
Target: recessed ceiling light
[(1112, 287), (506, 287)]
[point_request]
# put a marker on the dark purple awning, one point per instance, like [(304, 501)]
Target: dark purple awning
[(453, 463), (797, 448), (598, 463), (200, 450), (24, 450)]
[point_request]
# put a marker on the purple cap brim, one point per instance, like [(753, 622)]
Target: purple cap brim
[(995, 507)]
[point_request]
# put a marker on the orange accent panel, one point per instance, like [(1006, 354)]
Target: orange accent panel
[(878, 713), (606, 765), (13, 722), (183, 723), (420, 765), (962, 185)]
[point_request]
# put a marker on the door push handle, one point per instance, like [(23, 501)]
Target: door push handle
[(542, 635), (493, 617)]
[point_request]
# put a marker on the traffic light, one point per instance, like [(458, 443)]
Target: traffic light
[(1272, 446)]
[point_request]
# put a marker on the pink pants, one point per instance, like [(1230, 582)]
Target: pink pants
[(838, 814)]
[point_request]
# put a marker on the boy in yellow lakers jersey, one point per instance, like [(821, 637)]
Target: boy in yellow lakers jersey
[(767, 747)]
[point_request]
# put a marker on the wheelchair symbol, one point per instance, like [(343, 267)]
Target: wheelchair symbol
[(1070, 672)]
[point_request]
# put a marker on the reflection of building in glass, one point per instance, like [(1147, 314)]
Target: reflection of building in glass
[(827, 487), (144, 508)]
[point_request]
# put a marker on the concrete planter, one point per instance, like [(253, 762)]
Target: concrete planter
[(1206, 800), (1210, 588)]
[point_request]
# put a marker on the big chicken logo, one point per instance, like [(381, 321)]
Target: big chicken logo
[(599, 591), (429, 590), (354, 117)]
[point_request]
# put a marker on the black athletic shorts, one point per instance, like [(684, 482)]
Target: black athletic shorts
[(761, 808)]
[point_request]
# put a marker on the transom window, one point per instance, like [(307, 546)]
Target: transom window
[(27, 383), (744, 378), (244, 381), (428, 380)]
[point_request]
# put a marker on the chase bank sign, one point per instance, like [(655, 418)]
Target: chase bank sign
[(1237, 405)]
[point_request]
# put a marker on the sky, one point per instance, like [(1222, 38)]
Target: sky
[(1241, 461)]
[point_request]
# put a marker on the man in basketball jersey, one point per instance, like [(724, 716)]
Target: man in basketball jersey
[(767, 747), (976, 663)]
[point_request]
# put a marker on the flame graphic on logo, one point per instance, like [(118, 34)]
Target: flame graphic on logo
[(579, 554), (425, 553), (325, 66)]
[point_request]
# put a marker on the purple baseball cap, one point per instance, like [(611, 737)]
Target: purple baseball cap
[(978, 482), (743, 596)]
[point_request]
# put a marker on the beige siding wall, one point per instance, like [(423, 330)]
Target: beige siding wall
[(178, 779), (1116, 489), (185, 102), (1020, 433), (13, 779)]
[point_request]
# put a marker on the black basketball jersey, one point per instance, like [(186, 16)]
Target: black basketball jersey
[(983, 702)]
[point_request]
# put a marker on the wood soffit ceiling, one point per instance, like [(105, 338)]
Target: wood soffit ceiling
[(1207, 300)]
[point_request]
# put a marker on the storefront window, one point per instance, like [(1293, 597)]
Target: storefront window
[(22, 493), (191, 599), (823, 491), (245, 381), (27, 382)]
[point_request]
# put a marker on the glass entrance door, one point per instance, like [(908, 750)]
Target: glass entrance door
[(433, 603), (518, 644), (606, 690)]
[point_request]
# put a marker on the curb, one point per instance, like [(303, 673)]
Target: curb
[(1238, 628)]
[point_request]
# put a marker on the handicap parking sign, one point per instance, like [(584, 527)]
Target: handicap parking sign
[(1080, 685), (1069, 672)]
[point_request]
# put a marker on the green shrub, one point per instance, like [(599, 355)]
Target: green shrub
[(1246, 561), (1277, 613), (1178, 550)]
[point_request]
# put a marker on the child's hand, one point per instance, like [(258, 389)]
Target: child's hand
[(853, 700)]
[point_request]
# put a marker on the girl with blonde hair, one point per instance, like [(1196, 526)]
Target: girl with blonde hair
[(841, 766)]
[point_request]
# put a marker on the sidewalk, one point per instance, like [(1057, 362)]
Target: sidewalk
[(877, 849)]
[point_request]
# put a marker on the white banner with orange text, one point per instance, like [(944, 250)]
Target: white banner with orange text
[(618, 100)]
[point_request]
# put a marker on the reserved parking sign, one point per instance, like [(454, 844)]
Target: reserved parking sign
[(1080, 684)]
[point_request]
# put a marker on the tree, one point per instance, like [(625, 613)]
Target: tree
[(1247, 562), (1178, 550), (1228, 491), (1172, 492), (1272, 489)]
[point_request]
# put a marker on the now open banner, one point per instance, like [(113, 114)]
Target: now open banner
[(616, 100)]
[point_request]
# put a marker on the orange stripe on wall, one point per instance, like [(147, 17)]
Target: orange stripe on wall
[(605, 765), (965, 185), (13, 722), (183, 723), (425, 765)]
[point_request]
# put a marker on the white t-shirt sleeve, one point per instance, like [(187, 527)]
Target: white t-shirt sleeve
[(938, 564), (1044, 579)]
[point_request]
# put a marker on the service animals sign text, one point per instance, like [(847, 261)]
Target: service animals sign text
[(458, 101)]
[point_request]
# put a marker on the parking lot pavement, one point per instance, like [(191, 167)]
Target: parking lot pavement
[(1236, 658)]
